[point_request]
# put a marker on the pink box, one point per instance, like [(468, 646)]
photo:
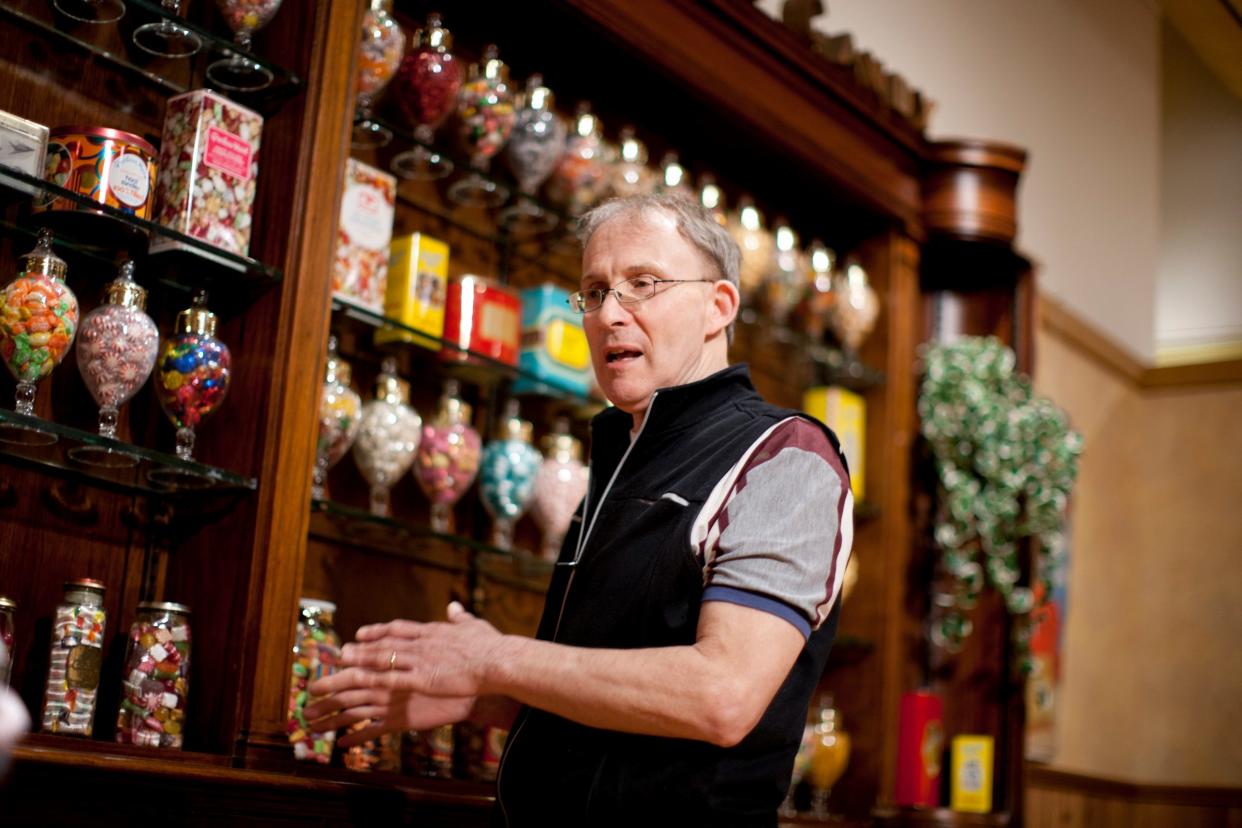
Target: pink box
[(208, 170), (364, 235)]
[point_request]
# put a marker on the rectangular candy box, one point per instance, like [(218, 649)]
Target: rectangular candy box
[(360, 270), (972, 774), (555, 355), (208, 171), (23, 147), (417, 289), (846, 414), (484, 317)]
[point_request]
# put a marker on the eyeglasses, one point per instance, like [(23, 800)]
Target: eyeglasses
[(629, 292)]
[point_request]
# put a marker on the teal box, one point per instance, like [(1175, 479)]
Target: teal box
[(555, 356)]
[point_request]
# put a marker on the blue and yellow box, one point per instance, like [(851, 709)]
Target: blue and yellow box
[(555, 356)]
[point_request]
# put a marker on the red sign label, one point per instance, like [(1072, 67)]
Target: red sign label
[(227, 153)]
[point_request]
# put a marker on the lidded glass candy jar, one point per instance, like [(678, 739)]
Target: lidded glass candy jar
[(192, 373), (38, 320), (485, 119), (786, 277), (756, 245), (76, 659), (448, 457), (534, 149), (156, 684), (383, 45), (507, 474), (117, 347), (426, 91), (239, 72), (629, 174), (560, 485), (856, 308), (581, 177), (673, 177), (340, 416), (387, 437), (316, 654)]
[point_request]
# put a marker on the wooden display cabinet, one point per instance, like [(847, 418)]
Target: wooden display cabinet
[(733, 91)]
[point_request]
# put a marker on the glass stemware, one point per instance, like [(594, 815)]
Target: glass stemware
[(192, 373), (167, 38), (388, 436), (383, 45), (95, 12), (507, 474), (340, 416), (534, 148), (238, 72), (38, 320), (426, 89), (485, 120), (117, 346), (830, 754)]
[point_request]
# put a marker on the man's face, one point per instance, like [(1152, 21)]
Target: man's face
[(661, 341)]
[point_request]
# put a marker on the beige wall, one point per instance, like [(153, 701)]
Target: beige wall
[(1152, 690), (1076, 83), (1199, 278)]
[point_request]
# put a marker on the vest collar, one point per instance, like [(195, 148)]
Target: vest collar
[(677, 406)]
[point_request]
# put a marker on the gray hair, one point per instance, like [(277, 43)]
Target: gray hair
[(695, 224)]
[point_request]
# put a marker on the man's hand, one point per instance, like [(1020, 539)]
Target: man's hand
[(405, 675)]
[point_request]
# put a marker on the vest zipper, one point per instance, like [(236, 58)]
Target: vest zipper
[(582, 539)]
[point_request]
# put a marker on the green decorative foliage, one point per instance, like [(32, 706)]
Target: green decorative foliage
[(1006, 462)]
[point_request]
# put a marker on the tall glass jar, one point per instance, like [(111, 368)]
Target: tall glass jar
[(426, 90), (388, 436), (76, 659), (581, 177), (448, 457), (485, 117), (192, 372), (383, 45), (534, 148), (340, 415), (316, 653), (507, 474), (156, 686), (8, 609), (830, 753), (560, 486)]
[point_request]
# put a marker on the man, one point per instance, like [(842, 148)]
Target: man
[(694, 602)]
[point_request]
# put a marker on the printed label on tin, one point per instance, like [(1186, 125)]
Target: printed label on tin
[(227, 153), (366, 216), (129, 180), (498, 323)]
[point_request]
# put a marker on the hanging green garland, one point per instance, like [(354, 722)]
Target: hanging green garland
[(1006, 462)]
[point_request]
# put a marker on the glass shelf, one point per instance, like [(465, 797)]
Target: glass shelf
[(840, 367), (338, 523), (111, 42), (195, 478), (490, 366), (109, 230)]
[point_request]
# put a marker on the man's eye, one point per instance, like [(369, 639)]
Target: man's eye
[(642, 283)]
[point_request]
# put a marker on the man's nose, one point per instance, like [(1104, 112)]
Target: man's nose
[(612, 312)]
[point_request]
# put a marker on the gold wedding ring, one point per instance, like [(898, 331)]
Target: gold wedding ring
[(392, 661)]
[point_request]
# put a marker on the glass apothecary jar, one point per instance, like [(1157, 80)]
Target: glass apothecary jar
[(76, 659), (156, 684), (316, 654)]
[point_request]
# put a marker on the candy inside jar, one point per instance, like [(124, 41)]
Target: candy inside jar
[(383, 45), (240, 72), (38, 320), (117, 346), (316, 653), (448, 457), (76, 660), (486, 117), (559, 487), (156, 686), (388, 436), (426, 90), (340, 416), (507, 474), (534, 148), (192, 374)]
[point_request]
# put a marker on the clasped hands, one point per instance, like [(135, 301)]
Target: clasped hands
[(405, 675)]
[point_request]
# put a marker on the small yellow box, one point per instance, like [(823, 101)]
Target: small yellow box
[(417, 288), (972, 774), (846, 414)]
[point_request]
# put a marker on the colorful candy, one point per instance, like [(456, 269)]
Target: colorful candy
[(429, 79), (209, 162), (192, 372), (38, 319), (117, 346), (340, 415), (316, 653), (507, 474), (76, 660), (560, 486), (485, 107), (382, 754), (387, 437), (157, 677), (448, 457), (247, 15), (383, 45)]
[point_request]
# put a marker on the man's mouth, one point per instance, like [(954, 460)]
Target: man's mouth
[(621, 355)]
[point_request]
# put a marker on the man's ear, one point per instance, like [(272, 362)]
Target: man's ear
[(725, 303)]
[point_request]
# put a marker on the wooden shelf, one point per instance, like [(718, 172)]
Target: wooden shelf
[(937, 818)]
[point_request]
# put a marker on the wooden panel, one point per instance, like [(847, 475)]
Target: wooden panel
[(1059, 799)]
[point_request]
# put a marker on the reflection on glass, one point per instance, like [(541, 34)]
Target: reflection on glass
[(166, 38)]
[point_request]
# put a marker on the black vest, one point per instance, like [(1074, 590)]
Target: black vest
[(639, 584)]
